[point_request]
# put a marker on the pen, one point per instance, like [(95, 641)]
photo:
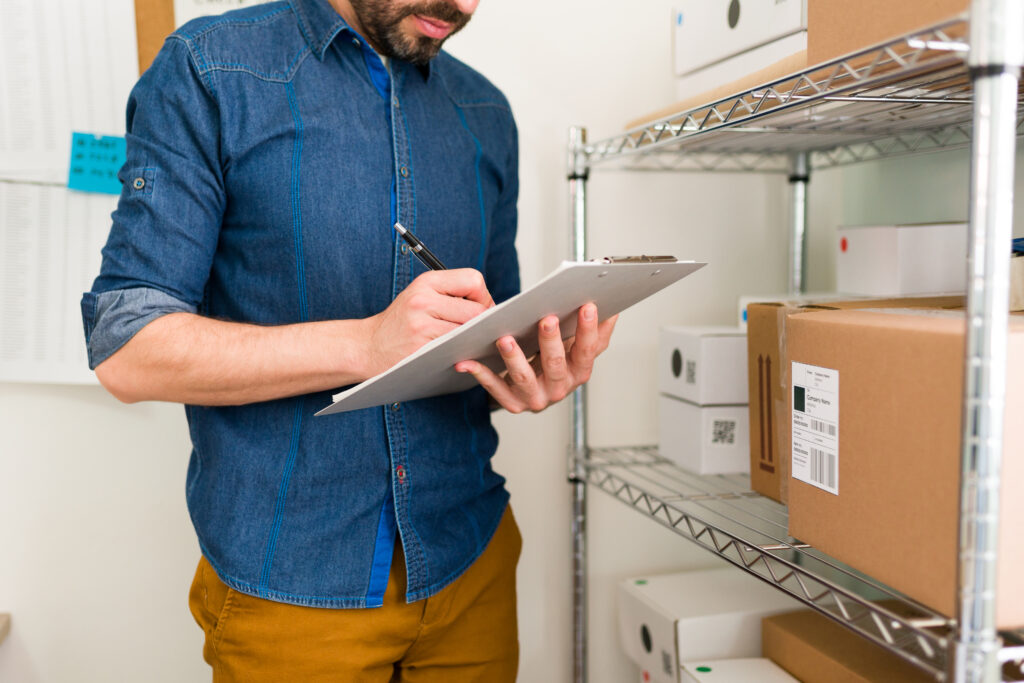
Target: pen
[(425, 256)]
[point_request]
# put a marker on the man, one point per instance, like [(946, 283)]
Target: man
[(252, 269)]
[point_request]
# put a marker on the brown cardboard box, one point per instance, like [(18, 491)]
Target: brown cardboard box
[(768, 382), (815, 649), (900, 394), (839, 27)]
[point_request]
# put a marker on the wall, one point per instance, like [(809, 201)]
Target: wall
[(96, 551)]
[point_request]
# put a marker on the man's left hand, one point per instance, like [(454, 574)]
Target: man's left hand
[(554, 373)]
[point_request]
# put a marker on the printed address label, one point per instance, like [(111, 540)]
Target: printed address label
[(815, 458)]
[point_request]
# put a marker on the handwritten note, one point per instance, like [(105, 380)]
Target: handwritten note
[(95, 161)]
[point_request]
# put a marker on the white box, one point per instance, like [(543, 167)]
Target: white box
[(895, 260), (710, 614), (703, 365), (738, 66), (745, 670), (704, 439), (709, 31)]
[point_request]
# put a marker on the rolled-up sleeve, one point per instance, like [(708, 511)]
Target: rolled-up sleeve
[(165, 230), (112, 318)]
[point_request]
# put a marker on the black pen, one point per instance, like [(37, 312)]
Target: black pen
[(425, 256)]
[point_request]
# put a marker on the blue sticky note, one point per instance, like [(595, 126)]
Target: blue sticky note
[(95, 161)]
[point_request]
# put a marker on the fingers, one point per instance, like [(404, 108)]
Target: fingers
[(587, 344), (558, 379), (520, 376), (552, 374), (499, 390), (461, 283)]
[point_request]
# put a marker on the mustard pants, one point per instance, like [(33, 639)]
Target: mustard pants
[(467, 632)]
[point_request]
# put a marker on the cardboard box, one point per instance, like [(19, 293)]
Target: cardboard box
[(706, 32), (815, 649), (740, 65), (703, 365), (768, 381), (896, 380), (707, 614), (796, 299), (704, 439), (901, 260), (744, 670), (839, 27)]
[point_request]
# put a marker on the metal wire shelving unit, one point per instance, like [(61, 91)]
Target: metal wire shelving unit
[(954, 85)]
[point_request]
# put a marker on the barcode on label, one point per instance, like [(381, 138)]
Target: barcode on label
[(823, 427), (823, 468), (691, 372)]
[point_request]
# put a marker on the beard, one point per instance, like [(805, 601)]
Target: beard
[(381, 20)]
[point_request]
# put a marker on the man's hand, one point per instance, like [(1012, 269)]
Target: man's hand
[(433, 304), (554, 373), (188, 358)]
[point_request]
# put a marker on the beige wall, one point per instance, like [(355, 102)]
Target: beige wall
[(96, 550)]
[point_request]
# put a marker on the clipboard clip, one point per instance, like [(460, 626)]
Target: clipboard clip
[(635, 259)]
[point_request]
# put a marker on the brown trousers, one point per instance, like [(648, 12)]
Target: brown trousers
[(467, 632)]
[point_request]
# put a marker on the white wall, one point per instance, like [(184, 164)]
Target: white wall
[(96, 551)]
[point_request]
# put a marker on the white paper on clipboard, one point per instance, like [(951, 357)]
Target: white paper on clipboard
[(430, 370)]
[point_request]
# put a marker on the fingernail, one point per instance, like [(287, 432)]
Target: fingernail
[(506, 345), (589, 312), (547, 326)]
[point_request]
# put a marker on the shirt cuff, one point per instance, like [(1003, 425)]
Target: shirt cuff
[(112, 318)]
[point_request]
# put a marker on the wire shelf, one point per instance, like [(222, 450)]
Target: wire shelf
[(721, 514), (907, 96)]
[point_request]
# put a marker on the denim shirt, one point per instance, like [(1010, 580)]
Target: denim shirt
[(269, 153)]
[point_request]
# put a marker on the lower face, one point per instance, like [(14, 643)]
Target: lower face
[(413, 31)]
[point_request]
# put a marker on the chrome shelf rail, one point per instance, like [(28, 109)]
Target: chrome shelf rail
[(907, 96), (721, 514), (938, 89)]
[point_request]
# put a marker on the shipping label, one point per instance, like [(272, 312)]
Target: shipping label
[(816, 426)]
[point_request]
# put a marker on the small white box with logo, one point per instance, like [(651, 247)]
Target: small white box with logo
[(703, 365), (742, 670), (704, 439), (709, 614)]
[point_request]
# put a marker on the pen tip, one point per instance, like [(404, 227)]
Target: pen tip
[(400, 228)]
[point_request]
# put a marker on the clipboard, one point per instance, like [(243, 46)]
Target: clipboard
[(613, 283)]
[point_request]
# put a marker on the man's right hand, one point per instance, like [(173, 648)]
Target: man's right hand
[(433, 304), (188, 358)]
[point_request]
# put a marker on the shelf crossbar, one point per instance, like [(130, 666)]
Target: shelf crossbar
[(907, 96), (912, 632)]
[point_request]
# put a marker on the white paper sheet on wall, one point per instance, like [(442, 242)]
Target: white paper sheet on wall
[(64, 66), (186, 10), (50, 241)]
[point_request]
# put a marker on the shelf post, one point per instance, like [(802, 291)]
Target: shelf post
[(997, 47), (799, 176), (577, 172)]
